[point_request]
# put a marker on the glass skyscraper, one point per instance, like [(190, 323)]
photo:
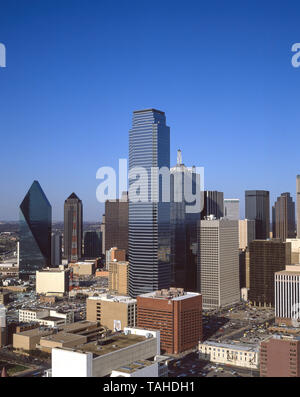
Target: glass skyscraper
[(257, 208), (35, 232), (149, 221)]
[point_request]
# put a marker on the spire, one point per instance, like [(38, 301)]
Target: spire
[(179, 157)]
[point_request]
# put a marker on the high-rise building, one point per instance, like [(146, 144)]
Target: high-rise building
[(280, 357), (92, 244), (266, 258), (218, 262), (183, 228), (35, 232), (246, 232), (257, 208), (116, 223), (298, 204), (73, 228), (176, 314), (287, 296), (283, 221), (213, 204), (56, 249), (102, 230), (232, 209), (149, 219)]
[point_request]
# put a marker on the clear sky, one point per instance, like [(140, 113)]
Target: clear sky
[(221, 70)]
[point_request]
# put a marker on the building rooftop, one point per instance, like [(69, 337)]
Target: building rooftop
[(245, 347), (108, 345), (172, 293), (149, 110), (113, 298), (135, 366)]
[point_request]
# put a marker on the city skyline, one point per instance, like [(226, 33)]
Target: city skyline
[(90, 96)]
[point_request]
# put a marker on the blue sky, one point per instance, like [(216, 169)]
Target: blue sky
[(221, 70)]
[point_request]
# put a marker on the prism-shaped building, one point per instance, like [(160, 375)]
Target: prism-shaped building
[(34, 232)]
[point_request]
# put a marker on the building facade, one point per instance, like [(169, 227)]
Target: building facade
[(56, 249), (73, 231), (116, 223), (257, 208), (176, 314), (246, 232), (266, 258), (92, 244), (118, 278), (283, 213), (232, 209), (218, 262), (54, 281), (35, 232), (298, 204), (149, 219), (213, 204)]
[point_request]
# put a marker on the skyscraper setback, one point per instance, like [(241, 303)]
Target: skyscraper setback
[(73, 228), (257, 207), (35, 231), (149, 221)]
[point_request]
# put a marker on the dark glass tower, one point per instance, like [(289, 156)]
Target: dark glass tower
[(257, 208), (92, 244), (35, 232), (213, 204), (283, 221), (149, 222), (73, 228)]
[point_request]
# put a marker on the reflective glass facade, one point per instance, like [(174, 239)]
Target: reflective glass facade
[(149, 222), (35, 231)]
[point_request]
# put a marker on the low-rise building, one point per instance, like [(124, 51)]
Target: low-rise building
[(137, 369), (114, 312), (46, 317), (28, 340), (99, 358), (86, 268), (52, 281), (240, 355)]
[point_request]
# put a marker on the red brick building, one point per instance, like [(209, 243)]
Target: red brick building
[(176, 314), (280, 357)]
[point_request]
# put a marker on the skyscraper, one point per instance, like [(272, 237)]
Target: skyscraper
[(35, 231), (232, 209), (218, 262), (183, 228), (149, 220), (213, 204), (73, 228), (92, 244), (116, 223), (266, 258), (283, 222), (298, 205), (257, 207)]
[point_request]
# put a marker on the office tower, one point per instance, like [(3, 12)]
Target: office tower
[(218, 262), (257, 208), (92, 244), (115, 254), (246, 232), (232, 209), (266, 258), (298, 204), (149, 220), (183, 228), (279, 357), (116, 223), (213, 204), (176, 314), (102, 230), (287, 296), (56, 249), (35, 232), (283, 222), (113, 312), (73, 228), (118, 277)]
